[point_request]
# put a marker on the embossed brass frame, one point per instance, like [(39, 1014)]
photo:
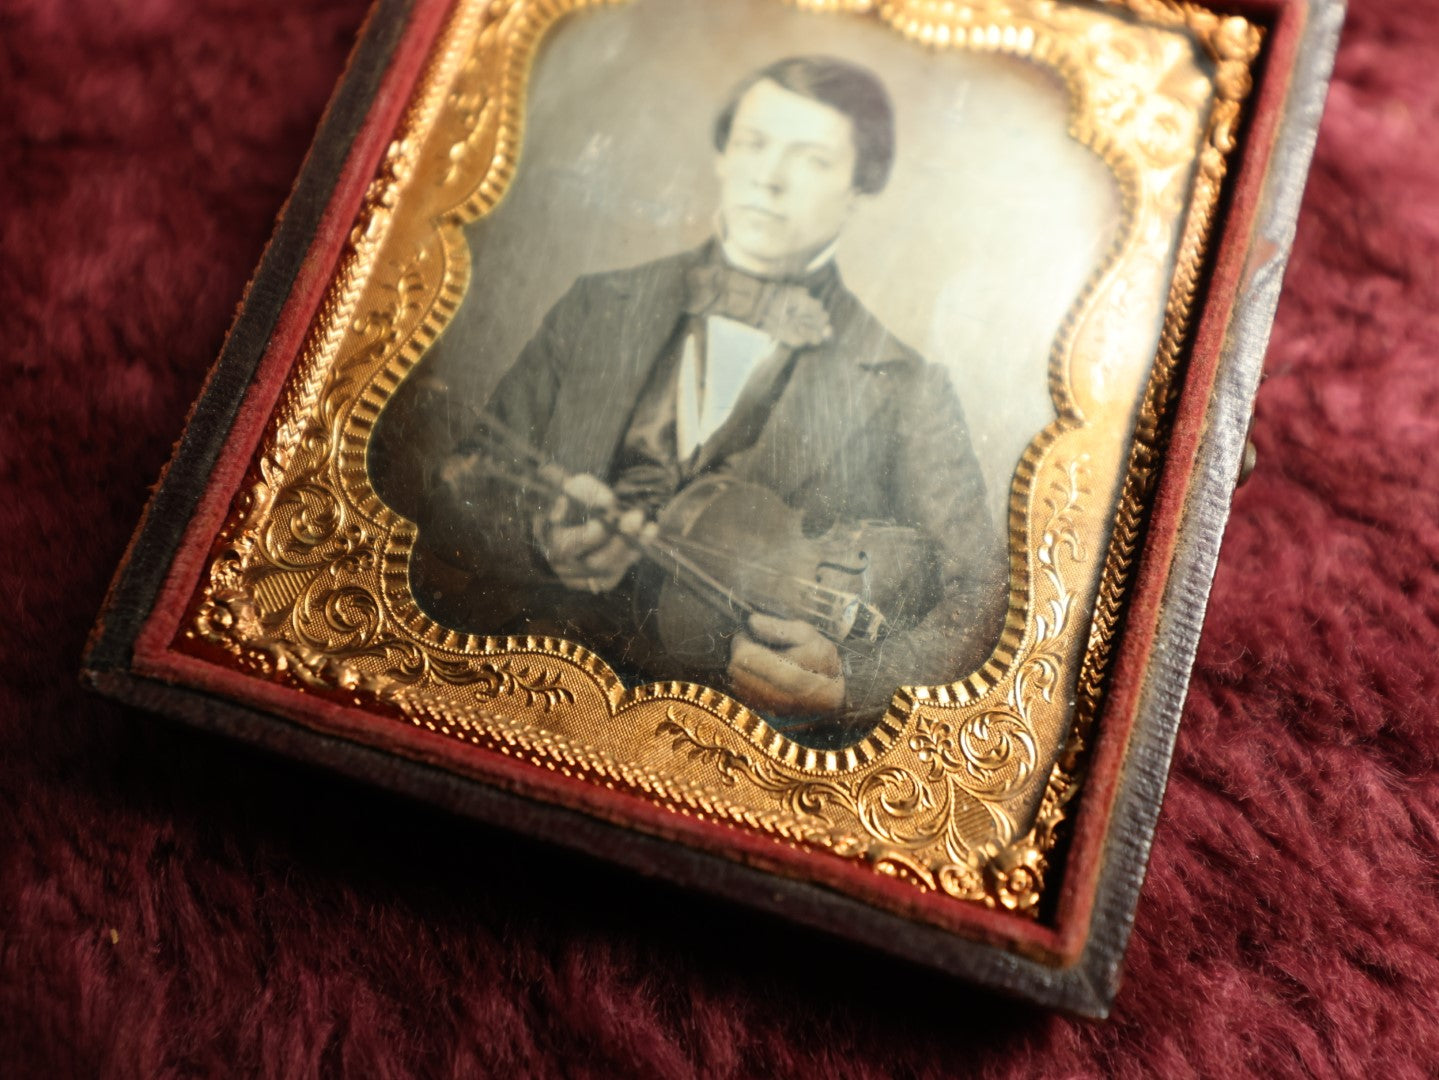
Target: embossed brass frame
[(961, 788)]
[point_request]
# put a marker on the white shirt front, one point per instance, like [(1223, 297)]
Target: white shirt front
[(709, 385)]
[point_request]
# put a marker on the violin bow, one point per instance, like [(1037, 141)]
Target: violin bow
[(533, 471)]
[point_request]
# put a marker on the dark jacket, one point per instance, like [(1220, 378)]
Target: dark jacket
[(863, 429)]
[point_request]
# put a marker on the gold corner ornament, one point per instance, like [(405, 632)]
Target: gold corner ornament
[(962, 788)]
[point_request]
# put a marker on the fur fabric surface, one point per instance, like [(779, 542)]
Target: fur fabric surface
[(173, 904)]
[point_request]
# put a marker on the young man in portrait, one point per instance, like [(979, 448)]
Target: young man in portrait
[(750, 359)]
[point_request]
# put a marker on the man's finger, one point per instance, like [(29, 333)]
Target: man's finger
[(766, 680), (589, 491), (799, 642), (782, 632), (613, 558), (632, 521), (559, 510), (819, 655), (759, 692), (568, 543), (753, 658), (458, 468), (599, 570)]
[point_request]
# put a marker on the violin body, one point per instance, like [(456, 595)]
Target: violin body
[(727, 548)]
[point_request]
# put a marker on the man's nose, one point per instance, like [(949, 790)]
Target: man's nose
[(772, 171)]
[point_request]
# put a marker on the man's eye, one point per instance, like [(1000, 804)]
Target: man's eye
[(819, 161)]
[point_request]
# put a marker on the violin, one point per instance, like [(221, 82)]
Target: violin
[(726, 549)]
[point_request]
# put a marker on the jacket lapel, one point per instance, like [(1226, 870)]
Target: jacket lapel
[(635, 317), (833, 394), (751, 412)]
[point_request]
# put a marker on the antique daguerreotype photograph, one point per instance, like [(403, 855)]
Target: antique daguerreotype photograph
[(739, 419), (751, 352)]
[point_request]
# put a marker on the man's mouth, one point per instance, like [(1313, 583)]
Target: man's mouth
[(764, 212)]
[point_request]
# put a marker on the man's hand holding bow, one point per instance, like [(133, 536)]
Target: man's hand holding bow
[(587, 547)]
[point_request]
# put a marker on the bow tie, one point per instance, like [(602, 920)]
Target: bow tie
[(785, 310)]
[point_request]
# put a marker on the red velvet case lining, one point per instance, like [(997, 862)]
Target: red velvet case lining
[(1062, 942)]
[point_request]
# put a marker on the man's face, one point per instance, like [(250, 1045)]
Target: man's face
[(786, 177)]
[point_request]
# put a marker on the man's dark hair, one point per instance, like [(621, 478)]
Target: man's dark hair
[(848, 88)]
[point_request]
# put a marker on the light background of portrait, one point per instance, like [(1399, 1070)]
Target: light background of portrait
[(991, 223)]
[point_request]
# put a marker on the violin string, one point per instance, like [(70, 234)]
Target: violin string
[(828, 614), (814, 588), (662, 552), (824, 602)]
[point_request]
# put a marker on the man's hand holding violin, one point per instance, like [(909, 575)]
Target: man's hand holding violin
[(786, 666), (779, 665)]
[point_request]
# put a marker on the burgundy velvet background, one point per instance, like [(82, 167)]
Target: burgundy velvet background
[(172, 903)]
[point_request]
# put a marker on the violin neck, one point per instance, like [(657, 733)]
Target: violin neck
[(837, 614)]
